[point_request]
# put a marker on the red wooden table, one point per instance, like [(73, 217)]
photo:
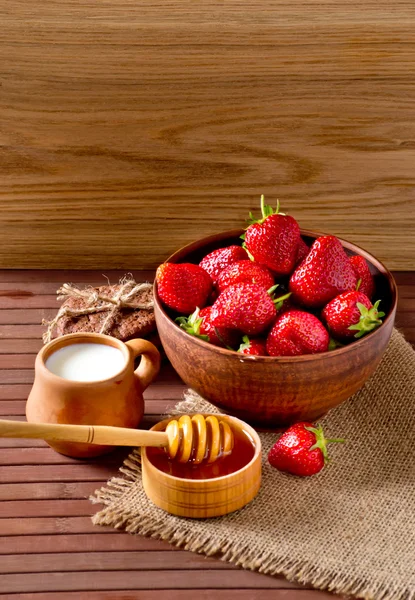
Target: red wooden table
[(48, 545)]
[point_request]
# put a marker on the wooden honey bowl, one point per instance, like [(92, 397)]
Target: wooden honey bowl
[(205, 491)]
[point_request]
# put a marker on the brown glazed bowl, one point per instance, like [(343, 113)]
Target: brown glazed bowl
[(271, 392)]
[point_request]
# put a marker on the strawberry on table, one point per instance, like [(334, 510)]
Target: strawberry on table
[(247, 307), (352, 315), (273, 240), (363, 274), (200, 325), (324, 273), (297, 332), (214, 262), (253, 346), (183, 287), (245, 271), (301, 450)]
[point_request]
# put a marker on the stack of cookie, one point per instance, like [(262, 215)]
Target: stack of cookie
[(124, 311)]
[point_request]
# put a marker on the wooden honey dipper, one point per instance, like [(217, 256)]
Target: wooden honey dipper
[(190, 438)]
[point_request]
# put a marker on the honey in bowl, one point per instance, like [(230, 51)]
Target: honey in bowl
[(242, 453)]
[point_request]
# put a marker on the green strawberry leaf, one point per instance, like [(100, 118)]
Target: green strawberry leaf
[(369, 320), (246, 344), (333, 344), (191, 325), (272, 289)]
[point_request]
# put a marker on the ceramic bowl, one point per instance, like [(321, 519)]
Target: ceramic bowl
[(272, 392)]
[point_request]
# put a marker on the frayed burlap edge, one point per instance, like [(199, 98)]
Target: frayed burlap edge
[(182, 536)]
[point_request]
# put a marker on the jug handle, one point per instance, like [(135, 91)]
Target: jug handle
[(150, 361)]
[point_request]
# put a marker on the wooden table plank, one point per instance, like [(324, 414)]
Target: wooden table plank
[(17, 346), (156, 560), (18, 361), (14, 509), (16, 376), (20, 443), (28, 316), (21, 332), (46, 491), (77, 542), (47, 456), (118, 580), (170, 594), (17, 407), (49, 525), (78, 472), (50, 277), (21, 299)]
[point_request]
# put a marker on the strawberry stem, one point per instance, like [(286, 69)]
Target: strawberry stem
[(263, 206), (266, 211), (280, 301), (321, 441), (277, 301), (247, 251)]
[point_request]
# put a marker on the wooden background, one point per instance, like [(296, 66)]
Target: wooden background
[(129, 128)]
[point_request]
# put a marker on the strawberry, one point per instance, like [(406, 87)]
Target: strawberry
[(253, 347), (245, 271), (273, 240), (363, 274), (199, 324), (216, 261), (302, 252), (247, 307), (297, 332), (301, 450), (324, 273), (183, 287), (352, 315)]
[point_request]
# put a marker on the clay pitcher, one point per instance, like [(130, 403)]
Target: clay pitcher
[(117, 400)]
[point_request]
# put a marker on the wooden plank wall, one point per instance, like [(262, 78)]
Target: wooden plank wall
[(130, 128)]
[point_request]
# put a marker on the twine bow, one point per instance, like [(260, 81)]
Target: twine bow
[(127, 296)]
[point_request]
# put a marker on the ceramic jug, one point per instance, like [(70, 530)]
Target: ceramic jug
[(116, 400)]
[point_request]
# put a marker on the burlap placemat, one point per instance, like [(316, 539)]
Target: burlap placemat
[(350, 529)]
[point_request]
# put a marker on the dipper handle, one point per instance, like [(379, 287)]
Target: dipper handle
[(89, 434), (187, 439)]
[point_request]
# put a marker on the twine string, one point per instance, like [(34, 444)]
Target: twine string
[(126, 297)]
